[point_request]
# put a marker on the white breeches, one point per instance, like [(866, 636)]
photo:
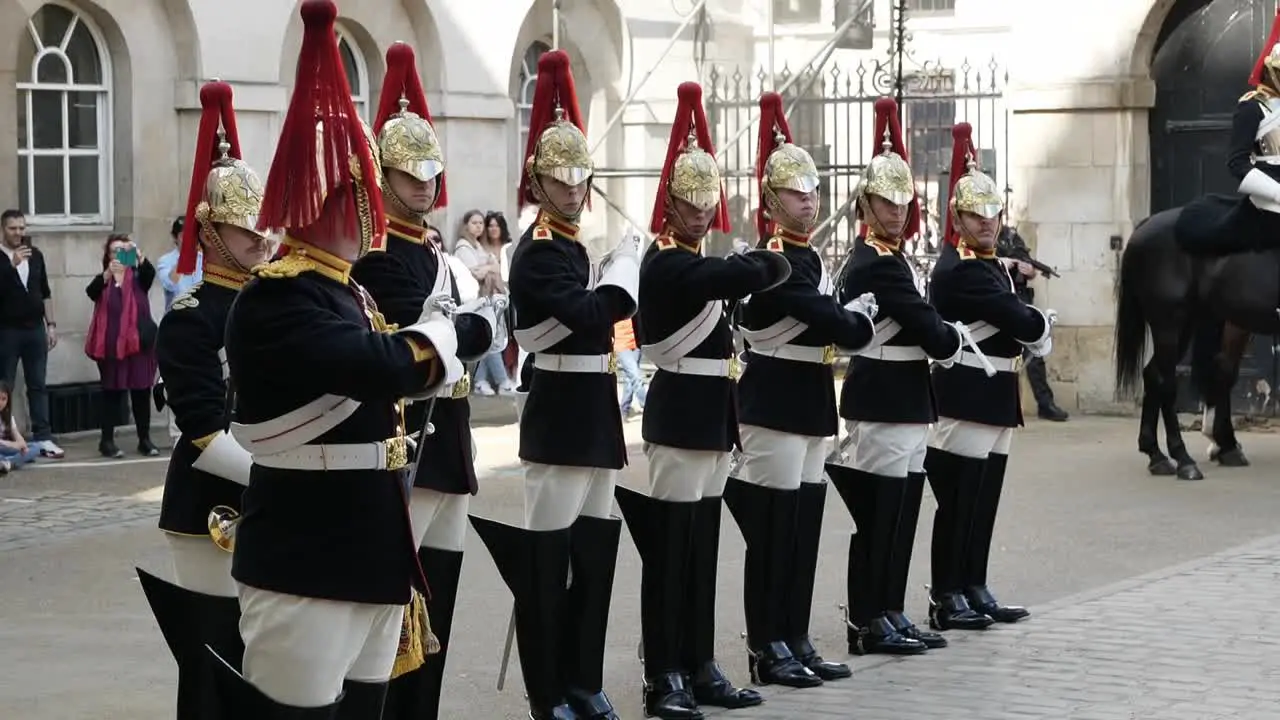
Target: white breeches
[(779, 460), (970, 439), (439, 519), (887, 449), (679, 475), (297, 650), (555, 495), (201, 566)]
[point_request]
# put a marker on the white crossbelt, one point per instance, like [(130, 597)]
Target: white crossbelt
[(1001, 364), (350, 456), (800, 353), (574, 363), (894, 353), (706, 367)]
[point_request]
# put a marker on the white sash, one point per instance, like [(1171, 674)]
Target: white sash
[(776, 335), (542, 336), (682, 341), (296, 427), (885, 330), (222, 358), (981, 330), (442, 284)]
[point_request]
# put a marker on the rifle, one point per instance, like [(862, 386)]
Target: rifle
[(1024, 255)]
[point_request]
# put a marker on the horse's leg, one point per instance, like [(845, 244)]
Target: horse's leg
[(1234, 342), (1169, 346), (1148, 444)]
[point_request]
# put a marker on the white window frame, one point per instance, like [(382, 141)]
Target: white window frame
[(361, 96), (526, 80), (106, 131)]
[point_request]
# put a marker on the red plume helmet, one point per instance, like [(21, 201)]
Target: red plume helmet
[(1257, 77), (690, 125), (216, 112), (774, 131), (402, 82), (962, 153), (888, 138), (323, 154), (553, 91)]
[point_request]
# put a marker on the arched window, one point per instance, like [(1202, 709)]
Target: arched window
[(357, 72), (64, 120), (524, 90)]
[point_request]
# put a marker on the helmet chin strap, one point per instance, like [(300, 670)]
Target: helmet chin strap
[(545, 202), (400, 206)]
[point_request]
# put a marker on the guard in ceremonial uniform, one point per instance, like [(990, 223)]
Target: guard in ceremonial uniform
[(560, 566), (690, 421), (325, 558), (208, 470), (978, 409), (401, 279), (887, 403), (788, 413)]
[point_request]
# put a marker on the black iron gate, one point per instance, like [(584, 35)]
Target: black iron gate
[(831, 115), (1203, 57)]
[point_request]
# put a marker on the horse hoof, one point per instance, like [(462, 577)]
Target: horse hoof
[(1233, 458), (1162, 468), (1213, 452), (1190, 472)]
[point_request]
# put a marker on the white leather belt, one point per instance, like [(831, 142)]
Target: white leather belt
[(575, 363), (387, 455), (1001, 364), (801, 353), (895, 353), (706, 367)]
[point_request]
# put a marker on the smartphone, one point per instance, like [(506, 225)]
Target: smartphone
[(26, 240), (127, 257)]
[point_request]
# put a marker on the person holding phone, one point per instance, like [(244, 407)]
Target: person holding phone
[(121, 339), (27, 325)]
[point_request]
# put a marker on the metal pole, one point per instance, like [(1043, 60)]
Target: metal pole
[(844, 27), (555, 24), (641, 228), (675, 37), (768, 19)]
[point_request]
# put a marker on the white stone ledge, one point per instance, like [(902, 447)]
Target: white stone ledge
[(478, 106), (1090, 94), (248, 96)]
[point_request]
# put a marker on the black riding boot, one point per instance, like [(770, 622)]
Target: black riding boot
[(874, 502), (812, 502), (535, 566), (108, 414), (711, 686), (984, 525), (767, 519), (190, 621), (593, 549), (239, 700), (361, 700), (663, 534), (903, 543), (955, 482), (416, 695), (140, 400)]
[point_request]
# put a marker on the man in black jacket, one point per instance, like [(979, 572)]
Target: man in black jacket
[(1009, 245), (27, 325)]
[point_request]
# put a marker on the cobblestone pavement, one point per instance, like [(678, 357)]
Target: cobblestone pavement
[(1193, 643), (24, 521)]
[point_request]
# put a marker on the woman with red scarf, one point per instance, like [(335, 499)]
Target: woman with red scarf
[(121, 339)]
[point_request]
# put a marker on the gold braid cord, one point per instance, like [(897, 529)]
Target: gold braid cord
[(416, 639)]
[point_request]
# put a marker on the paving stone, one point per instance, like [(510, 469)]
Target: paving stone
[(1195, 644), (52, 516)]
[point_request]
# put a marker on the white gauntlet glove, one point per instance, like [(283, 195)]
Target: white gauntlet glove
[(740, 247), (1044, 346), (621, 269), (865, 304), (439, 305)]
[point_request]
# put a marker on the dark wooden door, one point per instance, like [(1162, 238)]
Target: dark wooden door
[(1201, 67)]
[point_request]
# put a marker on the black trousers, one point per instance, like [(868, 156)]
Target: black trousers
[(113, 401), (1038, 378)]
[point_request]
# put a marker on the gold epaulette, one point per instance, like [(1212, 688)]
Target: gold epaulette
[(1261, 93), (542, 232), (187, 299), (881, 249), (775, 244), (289, 266), (666, 242)]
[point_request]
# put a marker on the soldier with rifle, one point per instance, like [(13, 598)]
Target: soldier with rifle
[(1013, 252)]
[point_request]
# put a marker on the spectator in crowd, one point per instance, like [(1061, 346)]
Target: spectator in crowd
[(633, 386), (468, 288), (122, 339), (28, 330), (480, 249), (167, 268), (14, 450)]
